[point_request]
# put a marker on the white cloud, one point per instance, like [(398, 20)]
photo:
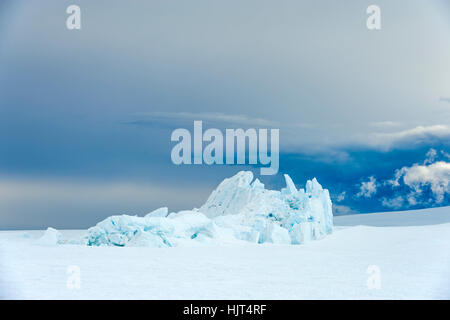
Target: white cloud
[(211, 116), (395, 203), (420, 180), (221, 118), (368, 188), (445, 154), (411, 137), (341, 197), (412, 200), (339, 210), (433, 174), (386, 124), (430, 156)]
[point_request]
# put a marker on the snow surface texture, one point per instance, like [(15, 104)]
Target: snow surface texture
[(409, 253), (239, 209)]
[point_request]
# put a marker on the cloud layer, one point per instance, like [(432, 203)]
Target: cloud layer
[(409, 138)]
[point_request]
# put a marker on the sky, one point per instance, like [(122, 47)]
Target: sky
[(86, 115)]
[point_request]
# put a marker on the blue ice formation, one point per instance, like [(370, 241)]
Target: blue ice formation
[(240, 209), (50, 237)]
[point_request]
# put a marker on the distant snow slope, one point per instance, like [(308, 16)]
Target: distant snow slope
[(400, 218), (407, 254)]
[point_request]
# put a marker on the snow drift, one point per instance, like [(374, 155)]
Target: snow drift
[(240, 209)]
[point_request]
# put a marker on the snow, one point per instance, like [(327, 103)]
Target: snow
[(399, 218), (411, 250), (161, 212), (240, 209), (51, 237), (245, 242)]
